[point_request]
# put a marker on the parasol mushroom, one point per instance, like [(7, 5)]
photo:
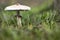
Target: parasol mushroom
[(18, 7)]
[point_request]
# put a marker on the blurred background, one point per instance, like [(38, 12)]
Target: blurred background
[(42, 22)]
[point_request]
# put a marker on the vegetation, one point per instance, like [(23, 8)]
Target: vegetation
[(37, 24)]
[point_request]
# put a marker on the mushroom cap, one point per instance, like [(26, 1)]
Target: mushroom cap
[(17, 7)]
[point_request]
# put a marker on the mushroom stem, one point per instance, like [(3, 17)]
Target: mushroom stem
[(19, 20), (18, 12)]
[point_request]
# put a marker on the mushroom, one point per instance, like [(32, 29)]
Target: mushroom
[(18, 7)]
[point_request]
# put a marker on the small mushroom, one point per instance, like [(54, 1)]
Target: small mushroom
[(18, 7)]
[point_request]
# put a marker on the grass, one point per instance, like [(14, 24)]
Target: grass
[(36, 25)]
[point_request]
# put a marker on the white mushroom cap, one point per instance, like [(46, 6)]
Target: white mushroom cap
[(17, 7)]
